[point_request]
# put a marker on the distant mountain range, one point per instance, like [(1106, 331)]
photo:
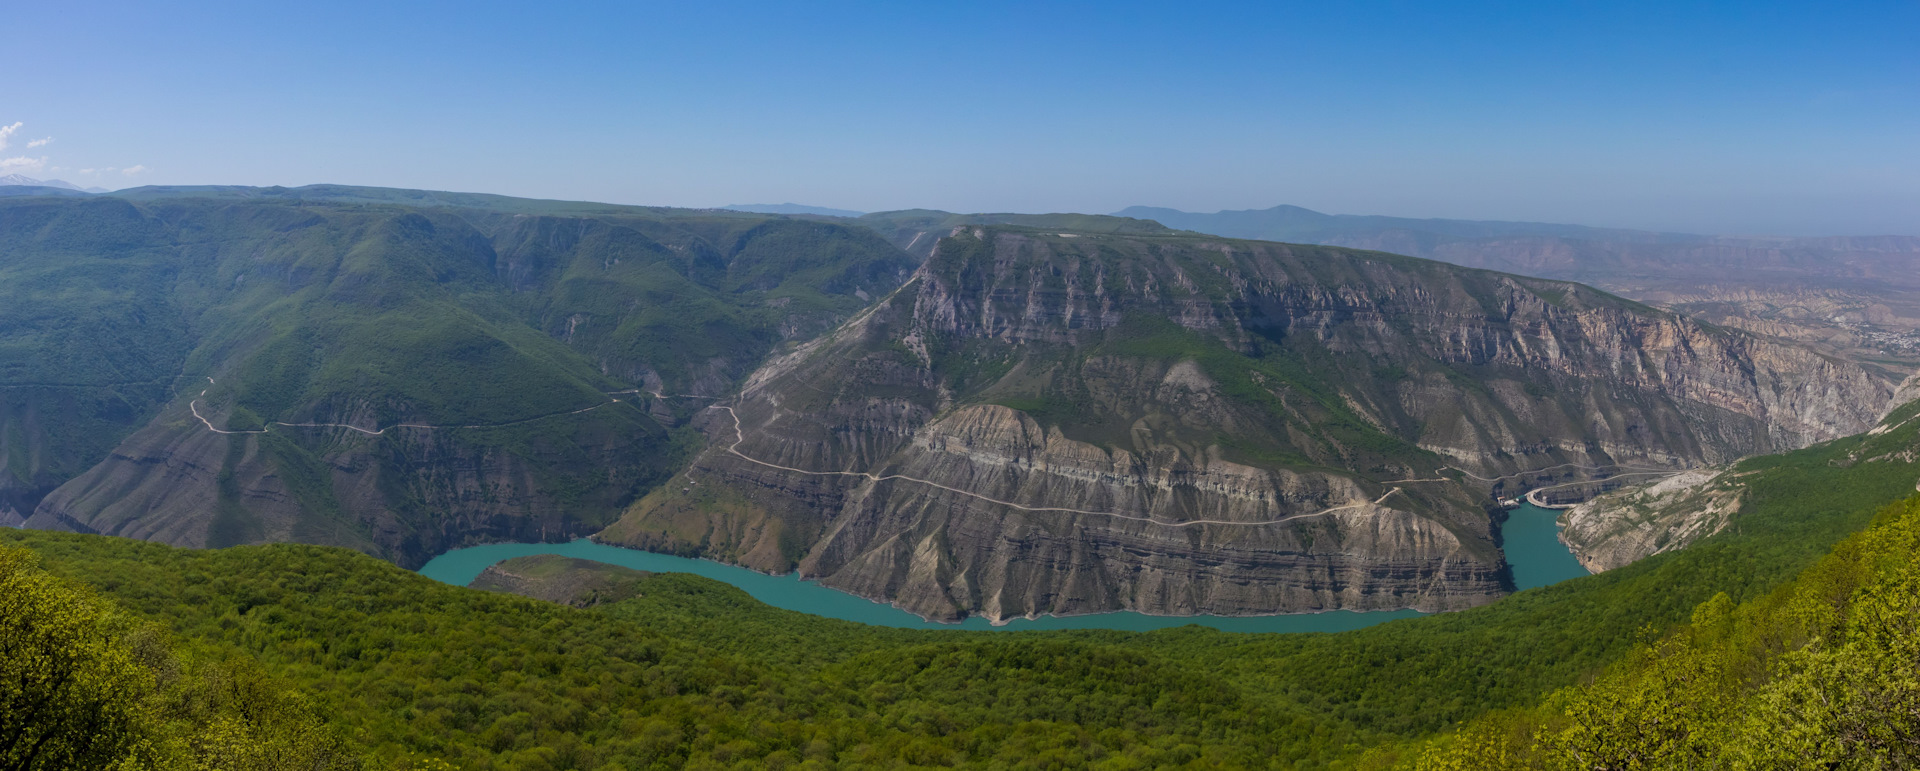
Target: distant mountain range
[(1557, 250), (1297, 224), (1853, 296), (17, 180), (792, 208)]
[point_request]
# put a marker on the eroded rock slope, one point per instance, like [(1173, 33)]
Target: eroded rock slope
[(1048, 422)]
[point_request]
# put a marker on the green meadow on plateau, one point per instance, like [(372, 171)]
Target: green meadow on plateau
[(234, 421)]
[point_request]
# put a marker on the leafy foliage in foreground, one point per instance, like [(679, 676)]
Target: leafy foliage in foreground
[(411, 667), (694, 673), (83, 685), (1822, 673)]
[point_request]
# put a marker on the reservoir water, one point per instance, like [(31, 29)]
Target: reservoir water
[(1525, 543), (1532, 541)]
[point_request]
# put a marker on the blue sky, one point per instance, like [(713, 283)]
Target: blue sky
[(1739, 117)]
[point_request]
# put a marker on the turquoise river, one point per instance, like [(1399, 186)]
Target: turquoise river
[(1530, 534)]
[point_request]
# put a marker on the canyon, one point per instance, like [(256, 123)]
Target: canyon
[(1050, 422), (1000, 416)]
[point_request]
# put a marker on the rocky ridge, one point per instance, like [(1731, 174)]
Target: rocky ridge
[(1624, 526), (1857, 297), (1067, 422)]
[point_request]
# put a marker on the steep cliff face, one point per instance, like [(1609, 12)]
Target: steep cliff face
[(1908, 392), (1856, 297), (1629, 525), (1064, 423)]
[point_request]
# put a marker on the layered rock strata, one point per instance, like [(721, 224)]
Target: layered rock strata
[(1625, 526), (1071, 423)]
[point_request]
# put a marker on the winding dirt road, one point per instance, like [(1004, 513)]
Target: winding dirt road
[(1543, 504), (740, 436)]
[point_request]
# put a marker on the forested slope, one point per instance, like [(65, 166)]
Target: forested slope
[(691, 672), (235, 365), (1823, 672)]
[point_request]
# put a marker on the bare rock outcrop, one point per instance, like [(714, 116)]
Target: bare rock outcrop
[(1071, 423), (1907, 393), (1625, 526)]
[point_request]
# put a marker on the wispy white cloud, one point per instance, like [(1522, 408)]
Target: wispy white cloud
[(38, 142), (7, 131), (102, 170), (21, 164), (135, 169)]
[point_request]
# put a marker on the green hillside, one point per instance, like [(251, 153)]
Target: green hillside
[(85, 685), (403, 378), (691, 673), (1823, 672)]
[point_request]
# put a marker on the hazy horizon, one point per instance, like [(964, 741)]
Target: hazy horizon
[(1763, 120)]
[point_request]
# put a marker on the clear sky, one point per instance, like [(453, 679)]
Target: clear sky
[(1747, 117)]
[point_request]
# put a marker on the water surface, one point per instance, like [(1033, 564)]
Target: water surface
[(461, 566), (1532, 543)]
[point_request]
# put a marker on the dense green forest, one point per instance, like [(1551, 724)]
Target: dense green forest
[(689, 672), (1823, 672), (83, 684)]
